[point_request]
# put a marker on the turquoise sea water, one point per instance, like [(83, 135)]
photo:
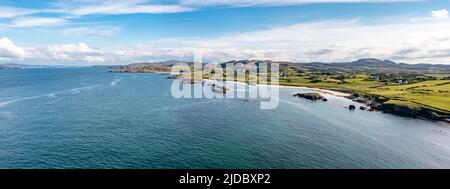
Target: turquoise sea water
[(89, 118)]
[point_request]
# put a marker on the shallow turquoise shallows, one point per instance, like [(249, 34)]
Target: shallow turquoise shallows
[(89, 118)]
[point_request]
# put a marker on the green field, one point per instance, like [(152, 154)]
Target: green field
[(433, 94)]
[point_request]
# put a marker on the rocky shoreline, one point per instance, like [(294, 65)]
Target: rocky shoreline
[(377, 104), (374, 105)]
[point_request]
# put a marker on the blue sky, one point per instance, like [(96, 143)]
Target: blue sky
[(82, 32)]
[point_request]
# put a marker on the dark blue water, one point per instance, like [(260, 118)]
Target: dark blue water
[(89, 118)]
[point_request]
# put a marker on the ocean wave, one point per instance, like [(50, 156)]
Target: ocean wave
[(6, 114), (52, 95), (48, 95), (79, 89), (114, 83), (54, 101), (20, 99)]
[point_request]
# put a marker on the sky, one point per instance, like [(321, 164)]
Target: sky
[(101, 32)]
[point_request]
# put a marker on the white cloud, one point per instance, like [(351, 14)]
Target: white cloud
[(78, 8), (439, 13), (126, 9), (421, 41), (10, 51), (102, 31), (273, 2), (73, 52), (338, 40), (68, 10), (79, 52), (37, 21), (113, 7), (11, 12), (151, 54), (105, 7)]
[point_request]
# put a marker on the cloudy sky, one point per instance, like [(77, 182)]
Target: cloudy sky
[(87, 32)]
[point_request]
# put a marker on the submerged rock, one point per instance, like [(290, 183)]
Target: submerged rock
[(362, 108)]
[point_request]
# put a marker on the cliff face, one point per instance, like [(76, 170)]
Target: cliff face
[(382, 104), (408, 111)]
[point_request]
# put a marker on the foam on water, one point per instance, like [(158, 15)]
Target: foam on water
[(50, 95), (114, 83)]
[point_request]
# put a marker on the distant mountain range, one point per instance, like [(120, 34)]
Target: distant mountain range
[(366, 66), (379, 66), (26, 66), (140, 65)]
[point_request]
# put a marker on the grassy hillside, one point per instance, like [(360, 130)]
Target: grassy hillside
[(433, 94)]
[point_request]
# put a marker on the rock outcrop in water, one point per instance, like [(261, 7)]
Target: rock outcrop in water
[(311, 96), (172, 77), (352, 107)]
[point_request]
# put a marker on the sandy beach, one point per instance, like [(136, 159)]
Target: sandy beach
[(318, 90)]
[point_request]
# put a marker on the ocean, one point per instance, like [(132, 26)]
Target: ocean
[(90, 118)]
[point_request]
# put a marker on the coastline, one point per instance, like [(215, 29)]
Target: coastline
[(368, 103), (402, 111), (319, 90)]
